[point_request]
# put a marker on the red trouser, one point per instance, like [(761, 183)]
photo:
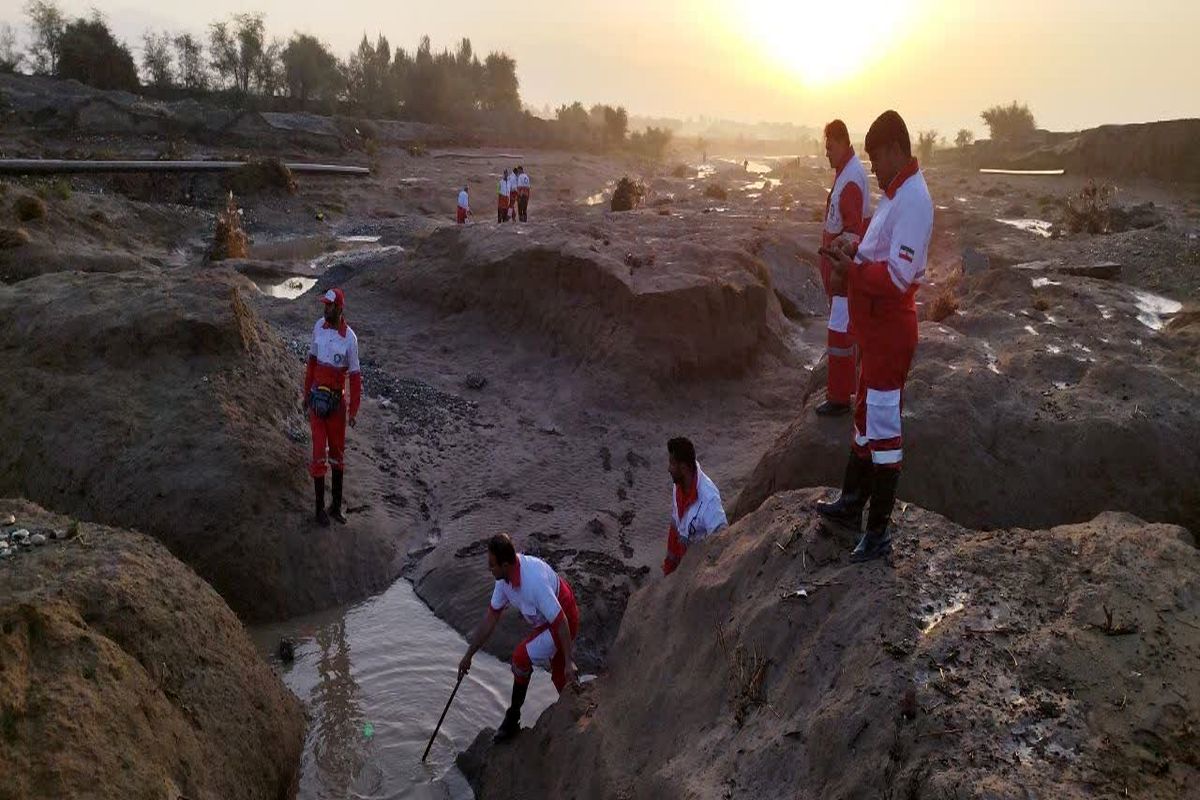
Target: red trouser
[(329, 431), (887, 342), (462, 216), (522, 662), (839, 342)]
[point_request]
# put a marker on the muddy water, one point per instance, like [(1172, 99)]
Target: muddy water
[(373, 679)]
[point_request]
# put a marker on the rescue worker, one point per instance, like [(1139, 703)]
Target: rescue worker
[(464, 207), (546, 602), (883, 273), (332, 357), (512, 193), (502, 199), (846, 215), (523, 193), (696, 510)]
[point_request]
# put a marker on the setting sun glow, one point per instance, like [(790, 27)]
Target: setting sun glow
[(811, 40)]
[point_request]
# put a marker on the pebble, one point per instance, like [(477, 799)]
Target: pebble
[(20, 537), (38, 539), (10, 520)]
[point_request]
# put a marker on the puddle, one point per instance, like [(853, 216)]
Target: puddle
[(288, 289), (373, 678), (1031, 330), (936, 613), (1105, 311), (594, 199), (1054, 350), (1040, 282), (1039, 227), (1152, 308)]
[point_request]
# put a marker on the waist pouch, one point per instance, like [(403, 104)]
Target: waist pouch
[(324, 401)]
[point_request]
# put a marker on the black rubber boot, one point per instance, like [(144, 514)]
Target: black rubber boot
[(830, 409), (877, 541), (335, 507), (511, 725), (319, 492), (856, 490)]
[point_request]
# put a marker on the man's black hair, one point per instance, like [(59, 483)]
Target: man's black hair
[(836, 131), (682, 450), (501, 546), (888, 128)]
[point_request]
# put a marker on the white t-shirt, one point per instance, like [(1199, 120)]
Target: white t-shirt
[(462, 199), (523, 181), (536, 592)]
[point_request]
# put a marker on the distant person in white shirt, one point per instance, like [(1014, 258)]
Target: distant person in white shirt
[(512, 193), (464, 207), (546, 602), (696, 510), (523, 193)]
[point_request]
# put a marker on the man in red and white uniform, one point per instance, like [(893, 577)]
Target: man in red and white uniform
[(696, 510), (332, 357), (847, 211), (883, 274), (546, 602), (502, 198), (464, 207), (523, 193)]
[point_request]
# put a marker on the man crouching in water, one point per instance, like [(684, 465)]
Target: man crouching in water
[(547, 604)]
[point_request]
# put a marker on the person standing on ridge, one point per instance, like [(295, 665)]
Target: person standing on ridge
[(512, 193), (523, 193), (846, 215), (696, 510), (332, 357), (502, 199), (547, 603), (883, 274), (464, 207)]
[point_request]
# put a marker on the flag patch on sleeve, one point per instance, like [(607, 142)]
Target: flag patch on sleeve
[(907, 253)]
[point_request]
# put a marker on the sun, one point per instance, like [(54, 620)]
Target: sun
[(822, 43)]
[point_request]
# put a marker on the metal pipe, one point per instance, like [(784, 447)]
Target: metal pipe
[(43, 166)]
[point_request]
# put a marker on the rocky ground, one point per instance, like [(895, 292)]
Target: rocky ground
[(1011, 663), (526, 378), (123, 674)]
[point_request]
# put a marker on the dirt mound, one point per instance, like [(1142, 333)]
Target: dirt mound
[(696, 305), (1041, 401), (163, 403), (262, 175), (125, 675), (1055, 663)]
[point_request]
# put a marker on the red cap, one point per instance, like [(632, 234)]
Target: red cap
[(334, 296)]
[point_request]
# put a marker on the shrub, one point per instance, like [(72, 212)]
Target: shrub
[(926, 141), (29, 208), (945, 304), (1011, 123), (964, 138), (229, 240), (681, 171), (12, 238), (1090, 210), (716, 191), (268, 174), (417, 150), (628, 195)]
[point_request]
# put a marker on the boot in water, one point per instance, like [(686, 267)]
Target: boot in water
[(877, 541), (335, 508), (511, 725), (856, 490), (322, 518)]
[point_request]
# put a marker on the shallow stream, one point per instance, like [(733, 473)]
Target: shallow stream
[(373, 678)]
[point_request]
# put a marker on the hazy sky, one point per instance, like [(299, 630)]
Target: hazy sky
[(938, 62)]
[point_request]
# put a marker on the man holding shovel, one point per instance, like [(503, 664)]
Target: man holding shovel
[(546, 602)]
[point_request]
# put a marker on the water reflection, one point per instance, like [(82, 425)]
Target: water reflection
[(373, 679)]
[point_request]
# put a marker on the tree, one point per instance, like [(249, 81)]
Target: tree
[(310, 70), (189, 58), (268, 76), (368, 78), (156, 59), (10, 58), (90, 54), (501, 89), (46, 25), (1011, 123), (651, 143), (964, 138), (236, 48), (926, 141), (616, 123)]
